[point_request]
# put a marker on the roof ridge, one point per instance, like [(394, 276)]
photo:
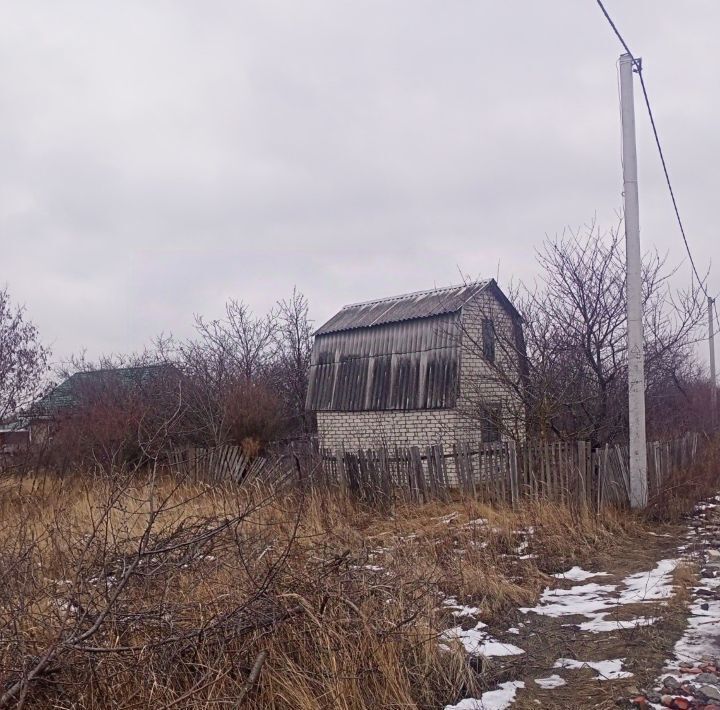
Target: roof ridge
[(119, 369), (425, 292)]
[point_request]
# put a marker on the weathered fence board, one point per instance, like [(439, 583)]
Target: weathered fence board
[(567, 472), (500, 472)]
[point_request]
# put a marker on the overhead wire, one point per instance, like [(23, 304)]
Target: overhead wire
[(638, 68)]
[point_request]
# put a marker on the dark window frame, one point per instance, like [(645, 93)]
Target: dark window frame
[(491, 423), (488, 339)]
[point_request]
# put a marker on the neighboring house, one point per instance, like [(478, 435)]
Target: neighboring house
[(14, 436), (154, 384), (418, 369)]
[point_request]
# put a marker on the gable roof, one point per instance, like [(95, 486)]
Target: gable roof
[(68, 393), (409, 306)]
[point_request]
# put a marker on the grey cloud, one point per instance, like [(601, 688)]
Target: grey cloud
[(158, 158)]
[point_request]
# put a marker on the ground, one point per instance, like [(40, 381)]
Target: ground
[(605, 636), (125, 592)]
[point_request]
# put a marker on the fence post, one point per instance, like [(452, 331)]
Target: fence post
[(417, 471), (603, 477), (581, 482), (512, 455), (386, 477), (342, 473), (441, 471)]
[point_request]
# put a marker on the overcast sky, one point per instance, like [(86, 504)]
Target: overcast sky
[(159, 157)]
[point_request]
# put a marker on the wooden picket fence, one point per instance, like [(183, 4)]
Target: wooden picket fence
[(289, 465), (508, 471), (215, 465), (567, 472)]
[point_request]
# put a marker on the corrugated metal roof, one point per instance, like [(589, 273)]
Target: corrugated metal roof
[(422, 304), (408, 365), (69, 393)]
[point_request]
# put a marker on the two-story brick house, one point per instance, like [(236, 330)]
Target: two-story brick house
[(421, 368)]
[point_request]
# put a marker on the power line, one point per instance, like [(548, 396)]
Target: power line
[(638, 68)]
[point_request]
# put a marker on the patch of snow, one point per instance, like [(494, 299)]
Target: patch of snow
[(600, 624), (585, 600), (460, 609), (596, 601), (553, 681), (373, 568), (492, 699), (513, 630), (479, 643), (702, 636), (466, 611), (649, 586), (578, 574), (606, 670)]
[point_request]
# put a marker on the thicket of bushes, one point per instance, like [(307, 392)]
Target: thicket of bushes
[(121, 591)]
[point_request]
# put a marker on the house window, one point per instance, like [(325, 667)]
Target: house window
[(491, 423), (488, 339)]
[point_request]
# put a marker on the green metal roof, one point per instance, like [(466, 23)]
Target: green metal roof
[(68, 393)]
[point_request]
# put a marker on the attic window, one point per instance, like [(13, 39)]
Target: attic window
[(488, 339)]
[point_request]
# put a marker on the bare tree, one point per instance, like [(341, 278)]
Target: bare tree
[(244, 373), (209, 377), (244, 379), (575, 334), (23, 358), (294, 348), (248, 341)]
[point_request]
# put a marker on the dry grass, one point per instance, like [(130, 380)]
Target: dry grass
[(132, 594), (684, 487)]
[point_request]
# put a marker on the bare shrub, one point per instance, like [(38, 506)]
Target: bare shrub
[(117, 417), (246, 375), (123, 591)]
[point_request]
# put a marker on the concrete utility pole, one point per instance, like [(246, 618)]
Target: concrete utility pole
[(713, 382), (636, 361)]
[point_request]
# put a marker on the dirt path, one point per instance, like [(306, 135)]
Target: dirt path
[(605, 637)]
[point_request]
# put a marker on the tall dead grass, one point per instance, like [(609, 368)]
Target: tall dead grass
[(685, 487), (128, 593)]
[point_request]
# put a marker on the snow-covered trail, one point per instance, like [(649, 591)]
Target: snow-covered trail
[(597, 635)]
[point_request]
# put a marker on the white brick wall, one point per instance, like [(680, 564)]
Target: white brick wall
[(374, 429), (483, 382)]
